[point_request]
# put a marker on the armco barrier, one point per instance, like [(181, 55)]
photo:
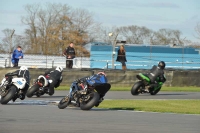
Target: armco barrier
[(118, 77)]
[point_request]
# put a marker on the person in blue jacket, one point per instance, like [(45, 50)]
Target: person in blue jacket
[(16, 55)]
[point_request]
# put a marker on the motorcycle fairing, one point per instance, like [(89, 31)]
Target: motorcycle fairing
[(19, 82), (143, 77)]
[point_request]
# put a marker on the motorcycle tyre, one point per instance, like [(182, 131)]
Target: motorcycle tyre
[(32, 90), (91, 103), (9, 96), (136, 87), (62, 105), (155, 92)]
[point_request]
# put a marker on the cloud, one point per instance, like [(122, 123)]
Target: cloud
[(159, 5)]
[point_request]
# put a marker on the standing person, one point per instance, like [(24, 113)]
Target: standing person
[(69, 53), (121, 56), (16, 55)]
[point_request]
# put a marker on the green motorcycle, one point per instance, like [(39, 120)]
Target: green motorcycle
[(144, 85)]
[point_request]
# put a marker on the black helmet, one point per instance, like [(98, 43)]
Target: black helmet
[(161, 64)]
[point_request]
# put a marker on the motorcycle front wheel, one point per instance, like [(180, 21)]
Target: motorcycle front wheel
[(93, 99), (11, 93), (155, 91), (32, 90), (64, 102), (135, 90)]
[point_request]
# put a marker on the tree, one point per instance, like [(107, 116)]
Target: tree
[(197, 29), (135, 34), (53, 26)]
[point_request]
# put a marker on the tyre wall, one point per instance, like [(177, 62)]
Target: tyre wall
[(119, 77)]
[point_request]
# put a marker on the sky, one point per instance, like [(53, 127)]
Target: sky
[(181, 15)]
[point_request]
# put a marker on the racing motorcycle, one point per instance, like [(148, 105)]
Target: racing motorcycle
[(144, 85), (11, 87), (39, 87), (86, 94)]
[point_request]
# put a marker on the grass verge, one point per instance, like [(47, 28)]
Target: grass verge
[(114, 88), (164, 106)]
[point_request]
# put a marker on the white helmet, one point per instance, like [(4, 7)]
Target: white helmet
[(59, 68), (23, 68)]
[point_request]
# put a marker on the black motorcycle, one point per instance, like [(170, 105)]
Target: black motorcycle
[(144, 85), (86, 94)]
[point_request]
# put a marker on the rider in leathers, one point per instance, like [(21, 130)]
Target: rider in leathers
[(156, 75), (55, 78), (22, 72)]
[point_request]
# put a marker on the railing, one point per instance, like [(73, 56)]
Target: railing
[(137, 62)]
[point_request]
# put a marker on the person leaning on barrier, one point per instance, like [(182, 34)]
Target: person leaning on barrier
[(16, 55), (69, 53)]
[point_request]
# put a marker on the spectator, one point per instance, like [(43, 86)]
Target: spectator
[(121, 56), (69, 53), (16, 55)]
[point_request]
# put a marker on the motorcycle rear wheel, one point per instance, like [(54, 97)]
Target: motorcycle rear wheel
[(32, 90), (9, 96), (91, 102), (135, 90), (64, 102)]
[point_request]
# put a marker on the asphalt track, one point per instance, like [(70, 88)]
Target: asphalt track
[(41, 115)]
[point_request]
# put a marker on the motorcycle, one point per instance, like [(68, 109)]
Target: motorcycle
[(40, 86), (86, 94), (144, 85), (11, 87)]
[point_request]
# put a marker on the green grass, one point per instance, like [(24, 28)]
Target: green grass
[(164, 106), (167, 106), (114, 88)]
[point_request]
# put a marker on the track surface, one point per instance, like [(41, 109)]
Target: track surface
[(40, 115)]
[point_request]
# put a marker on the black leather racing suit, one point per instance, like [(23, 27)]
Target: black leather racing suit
[(156, 75), (56, 78)]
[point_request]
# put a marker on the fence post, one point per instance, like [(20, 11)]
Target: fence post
[(5, 62), (107, 64), (52, 63)]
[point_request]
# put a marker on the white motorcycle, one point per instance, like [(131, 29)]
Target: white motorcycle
[(11, 87)]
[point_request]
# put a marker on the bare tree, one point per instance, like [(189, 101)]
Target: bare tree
[(135, 34), (52, 27), (197, 29)]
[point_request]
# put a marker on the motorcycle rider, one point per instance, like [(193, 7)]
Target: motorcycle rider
[(156, 75), (22, 72), (54, 78), (89, 80)]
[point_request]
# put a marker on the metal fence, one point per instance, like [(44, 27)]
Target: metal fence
[(42, 61), (134, 61)]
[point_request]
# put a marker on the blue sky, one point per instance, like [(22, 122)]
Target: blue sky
[(180, 15)]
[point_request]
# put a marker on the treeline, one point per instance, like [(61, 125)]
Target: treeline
[(51, 27)]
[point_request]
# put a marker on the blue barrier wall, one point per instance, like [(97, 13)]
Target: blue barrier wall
[(143, 57)]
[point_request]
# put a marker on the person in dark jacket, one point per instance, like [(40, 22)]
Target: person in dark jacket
[(55, 78), (16, 55), (156, 74), (121, 56), (22, 72), (69, 53)]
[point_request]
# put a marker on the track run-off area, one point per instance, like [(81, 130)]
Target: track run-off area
[(42, 115)]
